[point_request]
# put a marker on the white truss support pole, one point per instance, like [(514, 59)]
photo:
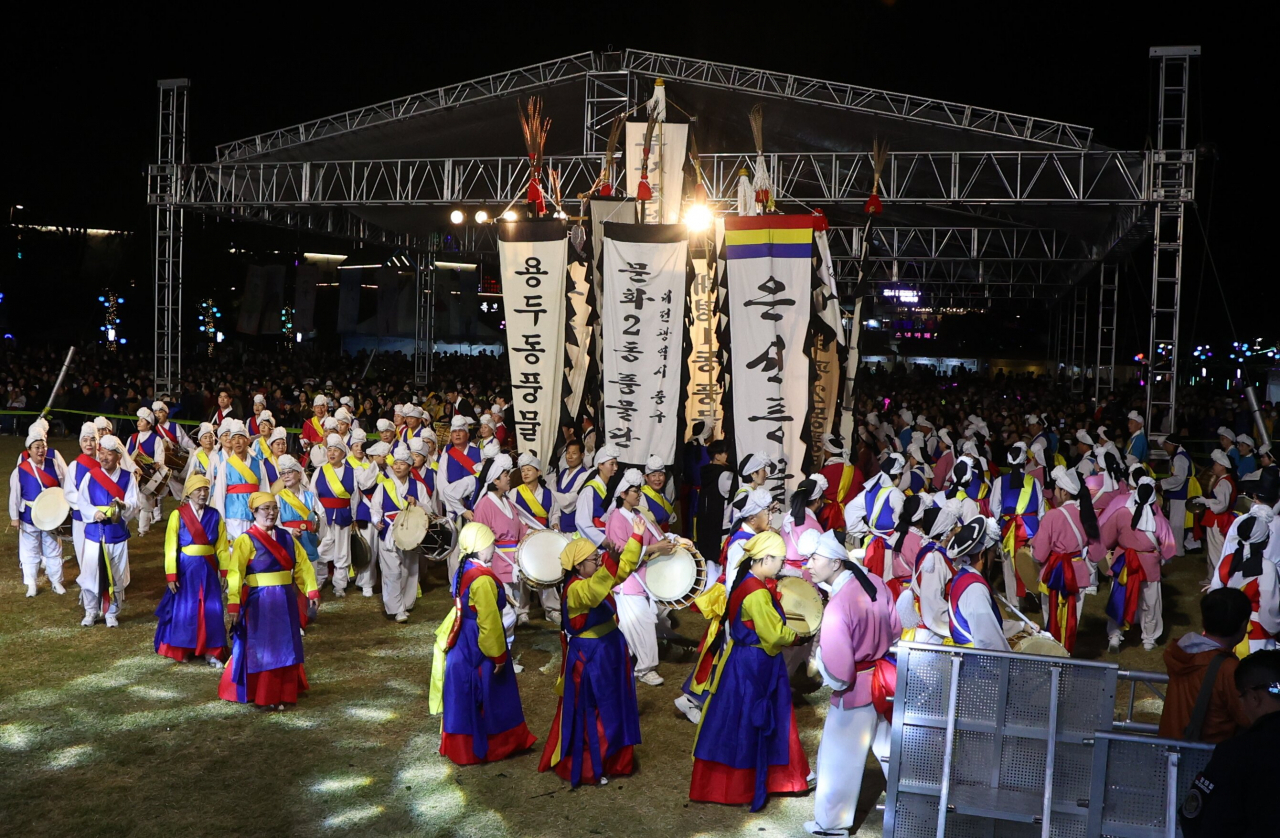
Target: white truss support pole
[(1104, 377), (171, 155), (609, 93), (1079, 336), (424, 279), (1172, 185)]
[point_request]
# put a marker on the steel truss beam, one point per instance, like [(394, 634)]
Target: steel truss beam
[(1104, 380), (333, 222), (450, 96), (858, 99), (957, 177)]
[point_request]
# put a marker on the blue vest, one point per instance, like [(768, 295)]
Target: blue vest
[(542, 494), (31, 487), (146, 446), (389, 508), (1181, 494), (884, 522), (961, 631), (339, 516), (114, 532), (564, 482), (1009, 495)]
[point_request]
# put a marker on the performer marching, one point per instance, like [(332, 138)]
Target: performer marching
[(265, 667), (747, 745), (235, 478), (637, 613), (459, 466), (395, 493), (498, 514), (974, 616), (1018, 500), (569, 482), (108, 500), (654, 495), (39, 471), (300, 513), (483, 720), (1061, 548), (1142, 542), (597, 722), (334, 484), (196, 557), (859, 625), (593, 497), (803, 517), (539, 506), (1246, 568), (874, 512), (1219, 509), (147, 449), (80, 466)]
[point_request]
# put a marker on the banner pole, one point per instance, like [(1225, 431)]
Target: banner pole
[(58, 384)]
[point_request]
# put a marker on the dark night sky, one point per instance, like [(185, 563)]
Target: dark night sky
[(81, 97)]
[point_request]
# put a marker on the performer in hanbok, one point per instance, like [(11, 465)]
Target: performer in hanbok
[(300, 512), (569, 482), (235, 477), (259, 405), (747, 745), (334, 484), (458, 468), (499, 515), (538, 504), (203, 456), (1246, 568), (196, 557), (944, 460), (262, 435), (1176, 488), (870, 517), (597, 722), (146, 447), (974, 617), (36, 547), (593, 498), (269, 452), (108, 500), (313, 432), (1017, 499), (841, 482), (175, 439), (637, 613), (76, 471), (655, 494), (483, 720), (1219, 509), (753, 471), (266, 664), (396, 492), (859, 625), (1061, 549), (1141, 542), (917, 477), (801, 518), (922, 605), (366, 476)]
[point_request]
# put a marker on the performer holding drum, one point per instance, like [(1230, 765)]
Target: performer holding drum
[(395, 494), (538, 506), (38, 472), (147, 450)]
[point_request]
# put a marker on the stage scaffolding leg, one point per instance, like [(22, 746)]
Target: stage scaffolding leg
[(1079, 335), (171, 152), (1172, 184), (424, 275), (1104, 377), (609, 93)]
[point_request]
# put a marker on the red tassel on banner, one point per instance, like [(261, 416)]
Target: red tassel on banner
[(873, 206), (606, 189), (643, 191), (820, 223)]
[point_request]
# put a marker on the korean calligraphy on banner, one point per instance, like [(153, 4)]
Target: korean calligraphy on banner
[(769, 268), (666, 168), (826, 351), (644, 269), (702, 400), (534, 257)]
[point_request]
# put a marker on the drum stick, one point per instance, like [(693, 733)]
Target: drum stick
[(527, 518), (57, 384), (1034, 626)]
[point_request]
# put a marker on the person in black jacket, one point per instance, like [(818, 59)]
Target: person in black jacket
[(1264, 484), (1235, 794), (711, 501)]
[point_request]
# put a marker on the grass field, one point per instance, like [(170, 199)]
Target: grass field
[(99, 736)]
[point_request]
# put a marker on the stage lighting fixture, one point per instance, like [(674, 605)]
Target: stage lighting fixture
[(457, 216), (698, 219), (482, 217), (509, 215)]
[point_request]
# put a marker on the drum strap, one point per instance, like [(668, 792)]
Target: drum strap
[(389, 489)]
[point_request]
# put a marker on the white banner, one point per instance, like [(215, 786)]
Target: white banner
[(578, 343), (642, 315), (702, 400), (602, 210), (666, 168), (534, 256), (768, 272)]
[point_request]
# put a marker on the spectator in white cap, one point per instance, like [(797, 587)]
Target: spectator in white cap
[(300, 510), (394, 493), (146, 447), (108, 499), (498, 514), (386, 431), (873, 514), (1219, 504), (1243, 456), (457, 467), (313, 432), (334, 484), (1137, 446), (594, 498), (39, 471), (656, 495), (366, 482)]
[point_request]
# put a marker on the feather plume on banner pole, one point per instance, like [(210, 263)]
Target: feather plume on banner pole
[(644, 192), (879, 156), (535, 140), (762, 185), (611, 151)]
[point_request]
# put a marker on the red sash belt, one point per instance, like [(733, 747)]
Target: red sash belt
[(242, 489), (335, 503), (884, 682), (1221, 520), (305, 526), (1134, 575)]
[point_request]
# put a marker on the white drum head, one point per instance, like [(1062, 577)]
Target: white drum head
[(50, 509), (802, 605), (409, 527), (539, 557), (671, 577)]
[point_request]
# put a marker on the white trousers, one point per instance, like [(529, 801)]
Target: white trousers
[(36, 547), (842, 760), (517, 594), (236, 527), (77, 537), (146, 512), (1150, 615), (368, 578), (92, 586), (335, 546), (550, 604), (1214, 540), (638, 619), (399, 575), (1177, 523)]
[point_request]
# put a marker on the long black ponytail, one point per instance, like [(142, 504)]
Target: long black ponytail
[(800, 499)]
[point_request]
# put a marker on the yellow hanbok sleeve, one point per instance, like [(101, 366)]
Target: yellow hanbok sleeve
[(483, 597), (757, 607), (221, 549), (241, 554), (171, 548), (304, 573), (590, 592)]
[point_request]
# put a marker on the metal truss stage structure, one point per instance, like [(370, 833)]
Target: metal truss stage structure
[(980, 204)]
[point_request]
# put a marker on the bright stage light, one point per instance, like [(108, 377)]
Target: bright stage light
[(509, 215), (698, 219), (482, 217), (457, 217)]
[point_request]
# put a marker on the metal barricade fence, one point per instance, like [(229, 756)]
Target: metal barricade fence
[(989, 744)]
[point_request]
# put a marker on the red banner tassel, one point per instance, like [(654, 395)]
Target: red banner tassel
[(873, 206), (643, 191)]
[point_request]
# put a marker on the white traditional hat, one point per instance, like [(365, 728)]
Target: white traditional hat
[(488, 420), (88, 431), (528, 459), (101, 423), (320, 399), (402, 453), (335, 441), (206, 428), (385, 425), (631, 478), (752, 464), (145, 413), (156, 407), (501, 463), (418, 446), (358, 436), (111, 442), (278, 433), (427, 433), (287, 462), (654, 464), (343, 415), (607, 452), (820, 485), (378, 450), (458, 422), (1017, 453), (758, 500), (1134, 416), (258, 398), (34, 434), (1082, 436), (398, 409), (330, 423), (1220, 457), (895, 462), (922, 421), (239, 429), (1067, 479), (830, 446), (1244, 439), (1227, 432)]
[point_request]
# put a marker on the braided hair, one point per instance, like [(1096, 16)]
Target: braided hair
[(800, 499), (1145, 493)]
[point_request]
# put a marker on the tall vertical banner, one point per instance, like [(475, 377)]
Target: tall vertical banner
[(602, 210), (769, 268), (666, 168), (304, 298), (702, 399), (644, 269), (349, 299), (534, 258), (825, 352), (578, 333)]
